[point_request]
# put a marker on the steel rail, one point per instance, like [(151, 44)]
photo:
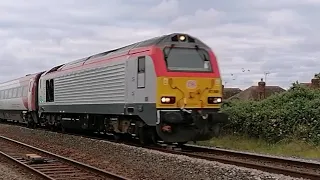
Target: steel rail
[(78, 165)]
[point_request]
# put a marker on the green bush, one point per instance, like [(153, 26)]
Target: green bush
[(294, 114)]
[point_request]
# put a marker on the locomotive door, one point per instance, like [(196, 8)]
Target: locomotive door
[(135, 82), (130, 81)]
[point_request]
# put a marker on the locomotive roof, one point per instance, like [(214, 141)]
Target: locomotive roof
[(160, 40)]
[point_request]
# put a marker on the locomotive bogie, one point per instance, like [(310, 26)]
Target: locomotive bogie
[(174, 125)]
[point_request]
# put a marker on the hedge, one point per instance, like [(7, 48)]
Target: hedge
[(294, 114)]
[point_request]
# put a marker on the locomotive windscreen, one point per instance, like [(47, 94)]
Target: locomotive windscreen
[(187, 59)]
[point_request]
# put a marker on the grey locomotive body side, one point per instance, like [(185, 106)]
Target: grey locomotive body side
[(110, 89)]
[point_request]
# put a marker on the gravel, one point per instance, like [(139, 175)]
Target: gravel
[(11, 171), (132, 162)]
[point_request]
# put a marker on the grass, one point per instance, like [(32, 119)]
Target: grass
[(286, 148)]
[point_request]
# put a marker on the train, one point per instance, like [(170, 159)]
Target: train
[(167, 88)]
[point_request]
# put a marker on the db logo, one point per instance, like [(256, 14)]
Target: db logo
[(191, 84)]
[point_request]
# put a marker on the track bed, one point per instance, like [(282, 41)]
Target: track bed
[(49, 165)]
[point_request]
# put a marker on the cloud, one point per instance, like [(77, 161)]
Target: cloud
[(283, 17), (252, 35)]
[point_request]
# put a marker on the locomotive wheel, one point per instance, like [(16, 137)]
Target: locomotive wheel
[(153, 135), (143, 138), (117, 137), (53, 128), (63, 129), (147, 136), (30, 124)]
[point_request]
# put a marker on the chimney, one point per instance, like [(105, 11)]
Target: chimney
[(262, 89), (315, 83)]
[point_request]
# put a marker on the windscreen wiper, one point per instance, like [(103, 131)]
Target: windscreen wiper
[(166, 55), (200, 54)]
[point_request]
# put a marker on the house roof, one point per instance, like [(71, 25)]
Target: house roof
[(252, 92), (229, 92)]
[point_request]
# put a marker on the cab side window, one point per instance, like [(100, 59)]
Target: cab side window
[(141, 72)]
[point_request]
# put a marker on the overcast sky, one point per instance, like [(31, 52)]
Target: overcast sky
[(282, 36)]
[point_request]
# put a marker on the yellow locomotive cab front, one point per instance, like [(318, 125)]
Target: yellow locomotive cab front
[(188, 108), (188, 92)]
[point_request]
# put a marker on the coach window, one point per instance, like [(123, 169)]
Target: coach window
[(25, 91), (19, 92), (1, 94), (14, 93), (141, 72), (6, 94), (22, 89), (10, 93)]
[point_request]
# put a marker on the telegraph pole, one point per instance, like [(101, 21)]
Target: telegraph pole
[(265, 76)]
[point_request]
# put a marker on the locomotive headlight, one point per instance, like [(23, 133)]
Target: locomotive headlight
[(168, 100), (218, 100), (182, 38), (214, 100), (165, 99)]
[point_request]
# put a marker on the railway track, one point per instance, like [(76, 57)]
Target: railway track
[(51, 166), (278, 165)]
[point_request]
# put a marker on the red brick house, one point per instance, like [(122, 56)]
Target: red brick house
[(261, 91)]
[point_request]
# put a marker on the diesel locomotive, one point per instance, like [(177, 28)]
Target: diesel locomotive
[(166, 88)]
